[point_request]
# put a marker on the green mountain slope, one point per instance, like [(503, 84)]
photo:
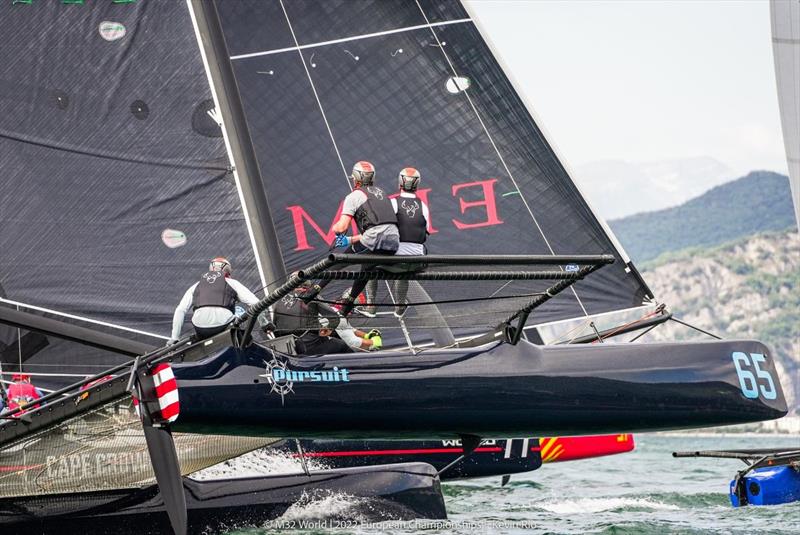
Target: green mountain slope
[(757, 202)]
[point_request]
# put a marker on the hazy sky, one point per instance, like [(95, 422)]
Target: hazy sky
[(645, 80)]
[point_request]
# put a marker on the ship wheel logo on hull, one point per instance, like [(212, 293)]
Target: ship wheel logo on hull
[(280, 382)]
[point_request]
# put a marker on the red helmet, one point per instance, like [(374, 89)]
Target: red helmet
[(19, 377), (220, 263), (363, 173), (408, 179)]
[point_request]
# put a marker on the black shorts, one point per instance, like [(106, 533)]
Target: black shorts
[(314, 344)]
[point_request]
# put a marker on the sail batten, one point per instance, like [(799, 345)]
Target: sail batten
[(348, 39)]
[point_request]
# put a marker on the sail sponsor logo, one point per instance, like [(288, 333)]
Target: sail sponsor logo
[(86, 465), (111, 31), (477, 208), (333, 376), (282, 380)]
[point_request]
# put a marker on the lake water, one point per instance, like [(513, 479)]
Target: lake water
[(645, 491)]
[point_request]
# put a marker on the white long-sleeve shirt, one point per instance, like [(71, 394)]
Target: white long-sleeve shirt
[(209, 316)]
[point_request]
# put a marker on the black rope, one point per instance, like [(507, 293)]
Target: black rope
[(451, 275), (443, 301), (696, 328), (644, 332)]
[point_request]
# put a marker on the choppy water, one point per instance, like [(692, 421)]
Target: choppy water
[(646, 491)]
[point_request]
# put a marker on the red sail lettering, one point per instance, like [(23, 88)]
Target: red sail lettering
[(488, 203), (300, 217)]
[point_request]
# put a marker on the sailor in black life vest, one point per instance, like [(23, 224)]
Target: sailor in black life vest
[(412, 222), (375, 218), (213, 300), (314, 325)]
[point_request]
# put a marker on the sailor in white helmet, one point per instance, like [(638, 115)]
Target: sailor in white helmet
[(213, 299), (412, 222), (369, 206)]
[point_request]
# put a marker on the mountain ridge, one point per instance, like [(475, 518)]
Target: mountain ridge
[(757, 202)]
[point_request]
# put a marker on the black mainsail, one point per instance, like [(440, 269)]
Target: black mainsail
[(324, 84), (112, 158)]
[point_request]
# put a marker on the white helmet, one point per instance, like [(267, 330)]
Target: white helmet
[(363, 173), (221, 264), (408, 180)]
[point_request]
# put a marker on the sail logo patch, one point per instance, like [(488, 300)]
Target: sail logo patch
[(111, 31), (752, 379)]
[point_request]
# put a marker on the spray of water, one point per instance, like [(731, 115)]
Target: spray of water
[(261, 462)]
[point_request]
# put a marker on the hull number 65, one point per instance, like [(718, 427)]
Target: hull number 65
[(752, 379)]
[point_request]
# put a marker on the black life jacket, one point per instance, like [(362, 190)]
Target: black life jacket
[(376, 210), (292, 315), (213, 291), (410, 220)]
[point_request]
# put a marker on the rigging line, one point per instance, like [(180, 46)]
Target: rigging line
[(19, 344), (42, 374), (644, 332), (445, 301), (81, 318), (316, 96), (632, 322), (494, 145), (695, 328)]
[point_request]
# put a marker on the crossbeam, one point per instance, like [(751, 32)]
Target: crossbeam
[(414, 268)]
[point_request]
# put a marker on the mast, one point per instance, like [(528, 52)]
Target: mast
[(237, 141)]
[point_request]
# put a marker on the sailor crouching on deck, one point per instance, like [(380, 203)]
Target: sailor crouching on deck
[(412, 222), (375, 218), (318, 328), (213, 300)]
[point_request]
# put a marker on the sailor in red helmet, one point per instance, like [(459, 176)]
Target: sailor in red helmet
[(370, 207), (213, 301), (21, 393), (412, 221)]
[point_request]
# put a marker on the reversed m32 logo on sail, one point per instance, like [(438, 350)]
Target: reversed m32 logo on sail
[(752, 379)]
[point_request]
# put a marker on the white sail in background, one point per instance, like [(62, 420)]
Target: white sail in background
[(786, 50)]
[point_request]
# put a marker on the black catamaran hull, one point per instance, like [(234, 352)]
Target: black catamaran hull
[(495, 390), (397, 492), (491, 458)]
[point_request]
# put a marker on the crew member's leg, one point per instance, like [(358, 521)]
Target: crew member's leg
[(360, 285), (355, 248)]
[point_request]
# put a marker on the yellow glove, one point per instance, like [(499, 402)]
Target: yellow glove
[(376, 343), (373, 333)]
